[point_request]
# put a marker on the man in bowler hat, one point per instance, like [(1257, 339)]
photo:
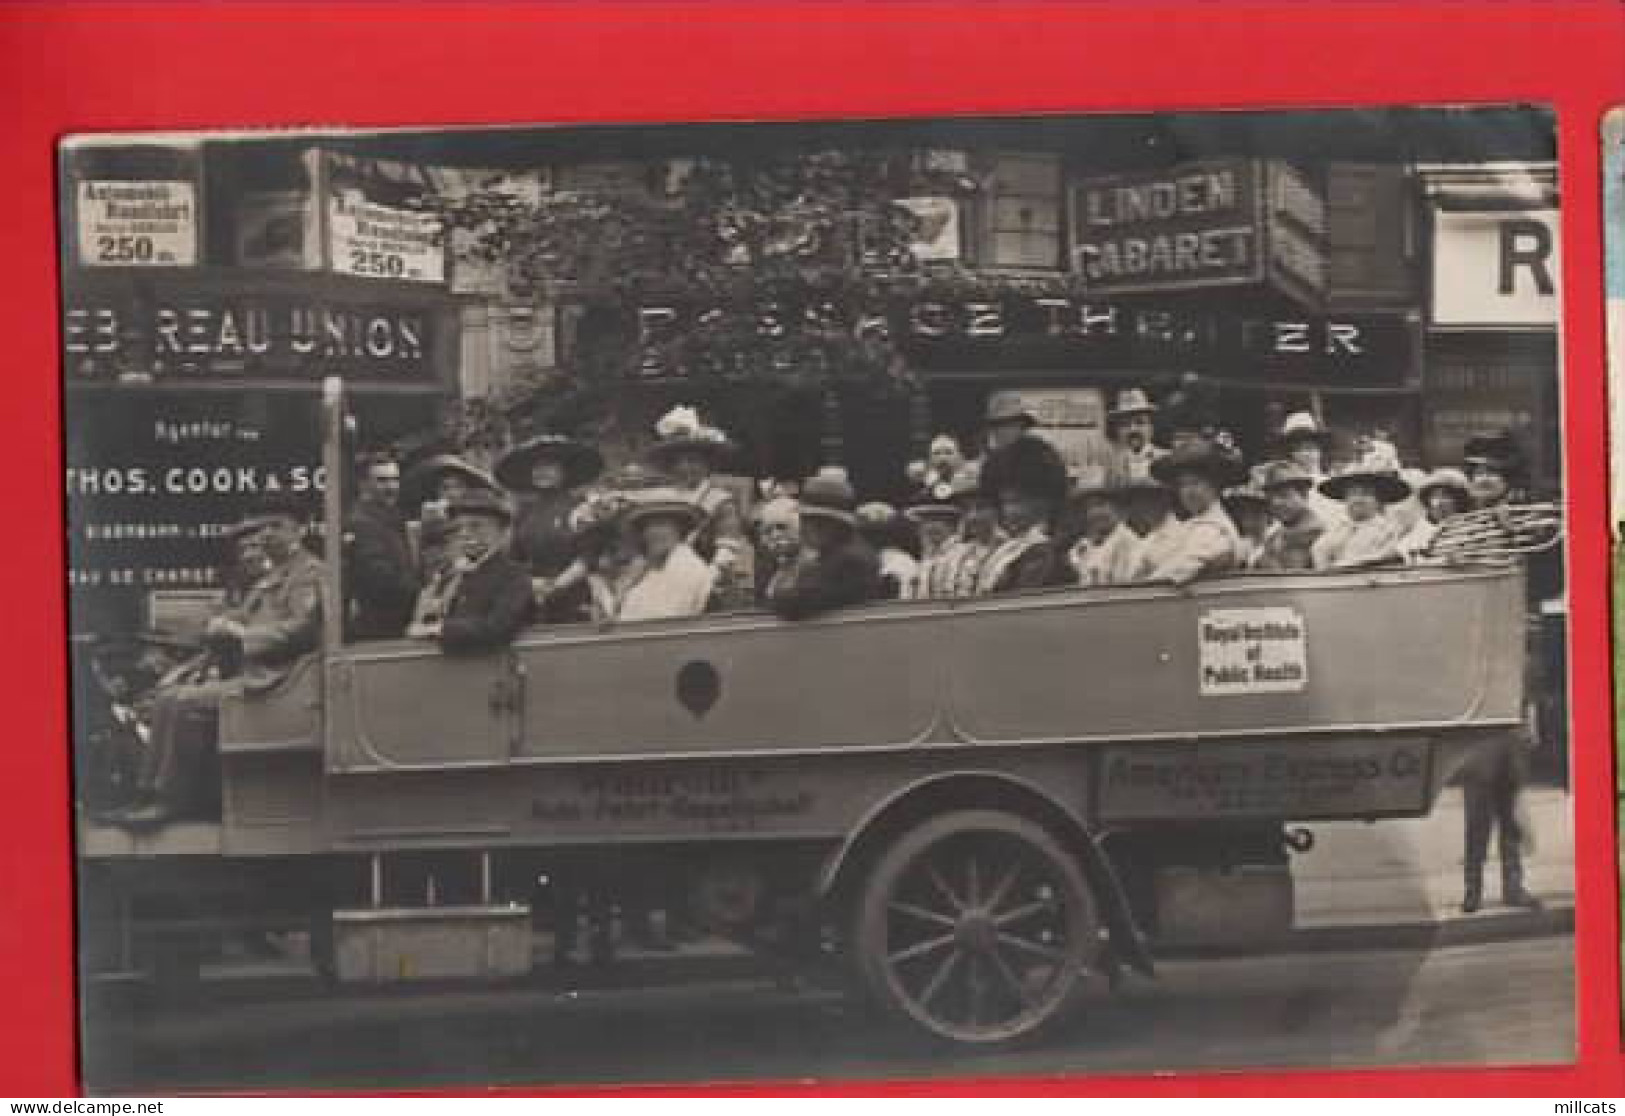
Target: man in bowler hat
[(835, 568), (485, 594)]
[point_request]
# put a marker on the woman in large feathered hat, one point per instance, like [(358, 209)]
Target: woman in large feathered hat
[(691, 452)]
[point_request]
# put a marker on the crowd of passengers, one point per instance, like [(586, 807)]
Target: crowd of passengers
[(465, 559)]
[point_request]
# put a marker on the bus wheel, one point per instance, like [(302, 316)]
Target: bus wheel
[(977, 926)]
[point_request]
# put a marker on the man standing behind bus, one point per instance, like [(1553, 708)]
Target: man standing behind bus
[(380, 583)]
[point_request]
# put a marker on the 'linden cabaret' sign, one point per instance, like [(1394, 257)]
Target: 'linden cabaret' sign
[(1208, 224)]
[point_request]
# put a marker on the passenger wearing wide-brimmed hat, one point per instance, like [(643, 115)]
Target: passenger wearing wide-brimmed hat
[(1131, 426), (1028, 481), (1366, 536), (545, 472), (1443, 493), (1249, 508), (482, 600), (1108, 552), (673, 583), (835, 567), (440, 479), (1290, 543), (691, 453), (1208, 542)]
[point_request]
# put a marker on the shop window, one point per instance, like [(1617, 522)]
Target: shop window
[(1021, 213), (266, 217), (1369, 236)]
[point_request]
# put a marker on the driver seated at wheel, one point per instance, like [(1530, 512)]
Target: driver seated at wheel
[(483, 599), (259, 641)]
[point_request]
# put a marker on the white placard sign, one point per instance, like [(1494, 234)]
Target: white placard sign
[(137, 224), (1252, 651), (1497, 268), (384, 242)]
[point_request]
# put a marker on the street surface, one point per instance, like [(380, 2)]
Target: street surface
[(1508, 1002)]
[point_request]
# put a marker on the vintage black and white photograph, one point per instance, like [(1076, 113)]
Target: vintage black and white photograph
[(863, 599)]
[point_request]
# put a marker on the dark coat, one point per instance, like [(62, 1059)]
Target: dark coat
[(542, 538), (847, 575), (380, 581), (491, 606)]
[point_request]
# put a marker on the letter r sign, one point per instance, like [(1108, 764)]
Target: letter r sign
[(1525, 245)]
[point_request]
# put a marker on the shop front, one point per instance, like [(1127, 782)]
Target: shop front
[(1239, 364), (191, 396)]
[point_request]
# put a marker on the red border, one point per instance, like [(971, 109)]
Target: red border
[(96, 67)]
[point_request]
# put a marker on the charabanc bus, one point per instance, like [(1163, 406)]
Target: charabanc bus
[(980, 808)]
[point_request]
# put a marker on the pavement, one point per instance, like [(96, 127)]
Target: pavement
[(1399, 882)]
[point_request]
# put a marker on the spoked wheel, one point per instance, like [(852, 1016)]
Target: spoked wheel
[(977, 926)]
